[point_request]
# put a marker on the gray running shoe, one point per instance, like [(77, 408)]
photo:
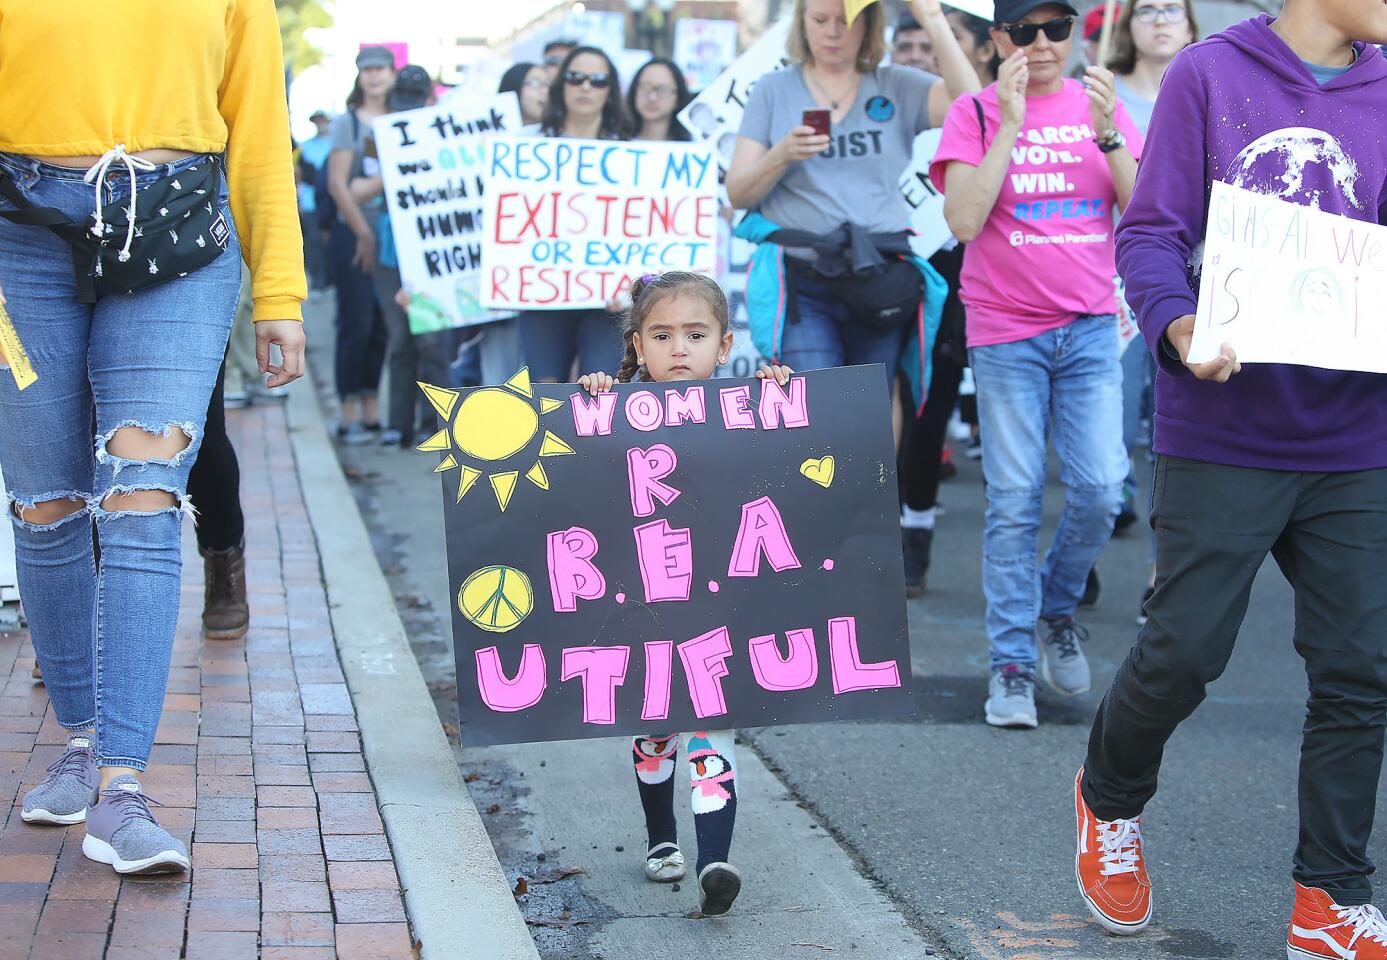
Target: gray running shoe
[(1062, 660), (1011, 698), (69, 789), (122, 832)]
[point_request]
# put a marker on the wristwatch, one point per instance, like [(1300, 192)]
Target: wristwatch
[(1110, 141)]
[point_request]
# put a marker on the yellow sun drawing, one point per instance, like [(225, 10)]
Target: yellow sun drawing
[(492, 425)]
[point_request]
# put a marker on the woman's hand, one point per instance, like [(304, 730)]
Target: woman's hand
[(802, 143), (365, 257), (775, 371), (402, 298), (1102, 98), (1012, 79), (288, 336), (595, 383)]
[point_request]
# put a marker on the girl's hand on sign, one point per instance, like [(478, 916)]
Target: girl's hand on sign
[(775, 371), (802, 143), (1012, 79), (595, 383), (1101, 86), (1181, 332)]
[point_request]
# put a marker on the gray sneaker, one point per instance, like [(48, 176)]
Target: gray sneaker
[(1011, 698), (1062, 660), (122, 832), (69, 789)]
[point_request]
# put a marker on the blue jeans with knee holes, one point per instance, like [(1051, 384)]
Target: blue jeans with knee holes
[(146, 360)]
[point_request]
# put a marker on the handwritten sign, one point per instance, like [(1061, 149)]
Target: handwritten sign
[(672, 556), (704, 48), (925, 202), (432, 162), (715, 115), (572, 222), (1285, 283)]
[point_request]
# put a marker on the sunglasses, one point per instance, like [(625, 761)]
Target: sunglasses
[(576, 78), (1025, 34)]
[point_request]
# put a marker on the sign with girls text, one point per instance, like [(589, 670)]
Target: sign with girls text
[(1286, 283), (570, 223), (672, 556), (432, 162)]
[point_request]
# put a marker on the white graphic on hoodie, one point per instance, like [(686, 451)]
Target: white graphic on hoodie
[(1275, 165)]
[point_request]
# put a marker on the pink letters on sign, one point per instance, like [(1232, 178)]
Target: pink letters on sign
[(643, 411), (666, 560), (735, 413), (777, 406), (691, 405), (798, 671), (761, 530), (602, 670), (659, 676), (593, 415), (505, 695), (644, 470), (572, 573), (705, 664), (849, 672)]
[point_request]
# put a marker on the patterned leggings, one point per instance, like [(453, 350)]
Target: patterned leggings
[(713, 779)]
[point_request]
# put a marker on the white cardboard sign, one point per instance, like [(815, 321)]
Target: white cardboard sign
[(1286, 283)]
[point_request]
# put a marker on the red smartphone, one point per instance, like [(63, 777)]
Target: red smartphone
[(818, 119)]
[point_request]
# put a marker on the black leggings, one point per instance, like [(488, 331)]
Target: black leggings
[(214, 485)]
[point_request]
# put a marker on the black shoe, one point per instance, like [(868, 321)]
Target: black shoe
[(915, 548), (1092, 590), (1128, 515), (1145, 598)]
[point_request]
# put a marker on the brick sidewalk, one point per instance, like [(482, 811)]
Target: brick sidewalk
[(257, 761)]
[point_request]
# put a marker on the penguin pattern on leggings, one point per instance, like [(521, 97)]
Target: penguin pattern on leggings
[(710, 775)]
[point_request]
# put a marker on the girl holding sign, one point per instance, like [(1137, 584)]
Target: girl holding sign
[(677, 329), (584, 103)]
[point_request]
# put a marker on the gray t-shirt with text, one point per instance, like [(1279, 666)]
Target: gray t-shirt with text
[(855, 179)]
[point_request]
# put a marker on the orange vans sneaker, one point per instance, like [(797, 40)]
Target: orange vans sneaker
[(1111, 869), (1323, 930)]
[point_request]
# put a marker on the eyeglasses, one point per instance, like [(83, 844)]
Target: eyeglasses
[(1177, 14), (576, 78), (536, 84), (1025, 34), (655, 91), (553, 60)]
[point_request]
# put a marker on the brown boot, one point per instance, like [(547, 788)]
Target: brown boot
[(225, 615)]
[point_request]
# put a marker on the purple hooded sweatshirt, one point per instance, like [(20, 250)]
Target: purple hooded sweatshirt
[(1241, 107)]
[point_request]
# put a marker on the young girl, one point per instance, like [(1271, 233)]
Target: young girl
[(677, 329)]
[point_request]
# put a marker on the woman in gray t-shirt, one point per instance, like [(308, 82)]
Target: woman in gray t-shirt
[(804, 180)]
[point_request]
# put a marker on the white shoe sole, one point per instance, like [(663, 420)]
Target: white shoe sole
[(166, 861), (1295, 953), (1015, 721), (1050, 681), (39, 815)]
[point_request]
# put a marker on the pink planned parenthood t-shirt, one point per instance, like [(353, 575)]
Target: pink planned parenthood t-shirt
[(1045, 255)]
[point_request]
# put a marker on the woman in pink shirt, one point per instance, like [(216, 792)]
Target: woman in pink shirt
[(1031, 169)]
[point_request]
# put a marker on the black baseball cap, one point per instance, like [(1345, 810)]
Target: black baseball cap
[(1011, 11), (413, 87), (907, 22)]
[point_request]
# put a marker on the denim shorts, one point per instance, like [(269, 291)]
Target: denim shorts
[(147, 360)]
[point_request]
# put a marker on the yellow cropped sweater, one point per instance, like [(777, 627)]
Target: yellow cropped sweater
[(78, 77)]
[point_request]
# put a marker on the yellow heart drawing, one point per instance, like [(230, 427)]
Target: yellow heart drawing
[(820, 471)]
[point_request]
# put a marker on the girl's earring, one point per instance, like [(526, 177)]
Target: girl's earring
[(722, 359)]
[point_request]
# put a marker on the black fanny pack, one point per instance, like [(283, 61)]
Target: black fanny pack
[(884, 299), (164, 230)]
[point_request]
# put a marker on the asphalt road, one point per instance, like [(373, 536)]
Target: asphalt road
[(967, 830)]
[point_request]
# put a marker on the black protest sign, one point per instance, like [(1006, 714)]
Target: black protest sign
[(672, 556)]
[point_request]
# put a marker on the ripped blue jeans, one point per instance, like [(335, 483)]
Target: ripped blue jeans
[(148, 361)]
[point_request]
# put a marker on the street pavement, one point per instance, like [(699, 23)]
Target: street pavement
[(966, 831)]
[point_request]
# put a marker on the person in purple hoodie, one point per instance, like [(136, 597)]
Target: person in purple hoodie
[(1256, 459)]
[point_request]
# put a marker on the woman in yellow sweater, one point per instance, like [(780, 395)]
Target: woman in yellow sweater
[(144, 149)]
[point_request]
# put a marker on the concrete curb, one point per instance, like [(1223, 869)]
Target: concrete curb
[(457, 897)]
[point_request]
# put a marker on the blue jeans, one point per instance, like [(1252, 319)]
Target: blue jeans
[(553, 339), (1065, 383), (147, 360), (825, 335)]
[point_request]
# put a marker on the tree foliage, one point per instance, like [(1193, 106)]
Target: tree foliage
[(296, 17)]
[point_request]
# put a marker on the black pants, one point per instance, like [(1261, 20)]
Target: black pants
[(214, 485), (1214, 527), (360, 323)]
